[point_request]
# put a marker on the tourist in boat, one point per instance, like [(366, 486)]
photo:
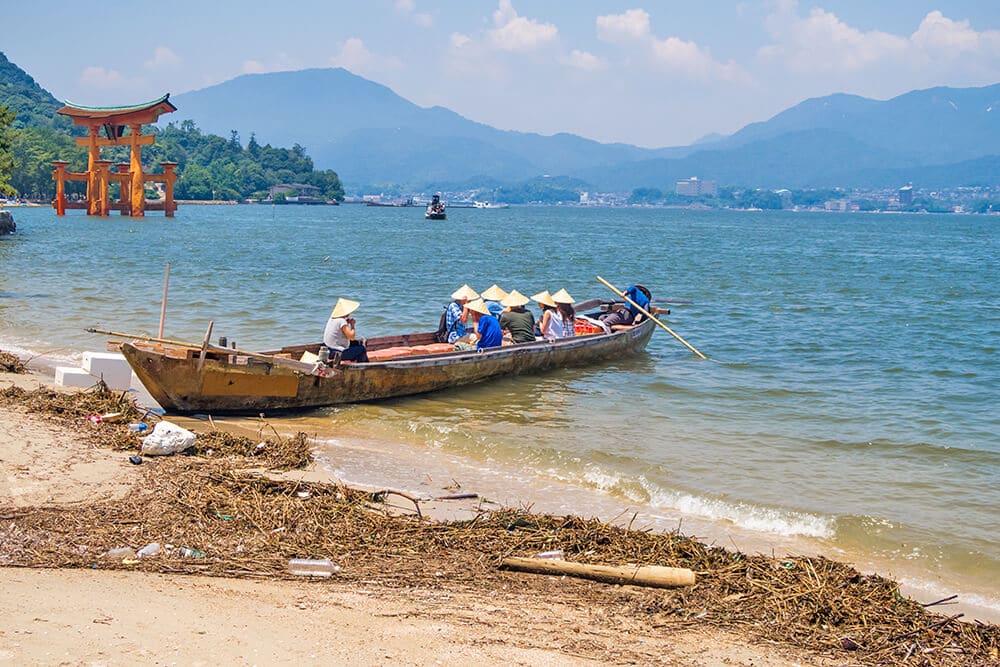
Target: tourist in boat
[(456, 313), (488, 333), (493, 296), (625, 315), (517, 319), (546, 328), (565, 313), (341, 332)]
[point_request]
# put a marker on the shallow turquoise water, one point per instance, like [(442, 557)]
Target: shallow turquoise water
[(851, 395)]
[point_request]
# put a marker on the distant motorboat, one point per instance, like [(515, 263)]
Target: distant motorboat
[(486, 204), (436, 209)]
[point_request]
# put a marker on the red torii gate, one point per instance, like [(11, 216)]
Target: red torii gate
[(130, 177)]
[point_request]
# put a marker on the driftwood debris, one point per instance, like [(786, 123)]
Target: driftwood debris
[(656, 576)]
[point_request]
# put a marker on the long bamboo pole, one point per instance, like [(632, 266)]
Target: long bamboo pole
[(650, 316), (636, 575), (163, 306)]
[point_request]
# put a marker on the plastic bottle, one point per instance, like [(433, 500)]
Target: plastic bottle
[(139, 427), (188, 552), (149, 550), (308, 567), (324, 353), (552, 555)]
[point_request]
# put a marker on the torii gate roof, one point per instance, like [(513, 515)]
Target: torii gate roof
[(148, 112)]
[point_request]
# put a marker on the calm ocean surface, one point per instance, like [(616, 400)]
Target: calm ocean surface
[(851, 399)]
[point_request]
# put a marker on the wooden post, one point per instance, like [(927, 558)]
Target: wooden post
[(163, 305), (138, 190), (59, 175), (124, 188), (168, 191), (93, 185), (636, 575), (104, 180)]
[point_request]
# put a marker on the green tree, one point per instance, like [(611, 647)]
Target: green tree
[(646, 196), (6, 150)]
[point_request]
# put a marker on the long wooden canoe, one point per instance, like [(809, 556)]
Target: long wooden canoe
[(230, 382)]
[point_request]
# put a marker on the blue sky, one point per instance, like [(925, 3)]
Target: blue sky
[(647, 73)]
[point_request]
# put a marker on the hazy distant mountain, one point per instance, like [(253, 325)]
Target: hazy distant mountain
[(944, 136), (932, 126), (371, 135)]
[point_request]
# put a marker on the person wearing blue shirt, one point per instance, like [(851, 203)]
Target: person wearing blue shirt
[(623, 315), (487, 327), (455, 315)]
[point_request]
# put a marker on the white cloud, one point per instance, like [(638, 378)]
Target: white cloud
[(281, 62), (584, 60), (458, 40), (253, 67), (633, 24), (942, 36), (99, 77), (408, 8), (517, 33), (822, 42), (162, 57), (679, 57), (355, 56)]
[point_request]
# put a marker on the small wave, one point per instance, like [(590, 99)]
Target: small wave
[(741, 514)]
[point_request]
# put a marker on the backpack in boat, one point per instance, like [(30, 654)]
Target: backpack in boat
[(442, 333)]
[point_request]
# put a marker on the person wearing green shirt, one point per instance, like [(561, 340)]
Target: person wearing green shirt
[(517, 319)]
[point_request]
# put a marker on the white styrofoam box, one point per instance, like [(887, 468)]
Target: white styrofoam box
[(71, 376), (111, 366)]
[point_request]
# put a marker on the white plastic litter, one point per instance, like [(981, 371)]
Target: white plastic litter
[(166, 439)]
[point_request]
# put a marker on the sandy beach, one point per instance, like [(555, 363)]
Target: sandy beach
[(111, 615)]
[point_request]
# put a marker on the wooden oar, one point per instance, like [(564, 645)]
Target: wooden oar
[(650, 316)]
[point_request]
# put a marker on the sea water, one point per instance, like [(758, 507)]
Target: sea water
[(850, 403)]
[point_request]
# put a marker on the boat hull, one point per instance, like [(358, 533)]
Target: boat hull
[(435, 216), (183, 383)]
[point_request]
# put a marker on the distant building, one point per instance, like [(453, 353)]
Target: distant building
[(296, 193), (905, 195), (294, 189), (841, 205), (693, 187), (785, 196)]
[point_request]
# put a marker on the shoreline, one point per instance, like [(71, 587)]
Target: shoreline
[(356, 458), (435, 615)]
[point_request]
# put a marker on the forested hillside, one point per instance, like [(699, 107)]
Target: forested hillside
[(209, 166)]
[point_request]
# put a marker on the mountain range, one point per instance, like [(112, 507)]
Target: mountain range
[(372, 136)]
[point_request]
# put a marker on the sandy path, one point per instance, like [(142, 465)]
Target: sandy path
[(79, 617)]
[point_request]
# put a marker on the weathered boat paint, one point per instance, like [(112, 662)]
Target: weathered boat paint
[(229, 383)]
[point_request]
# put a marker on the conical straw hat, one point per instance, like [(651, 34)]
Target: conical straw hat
[(494, 293), (545, 299), (562, 296), (344, 308), (514, 299), (479, 306), (465, 292)]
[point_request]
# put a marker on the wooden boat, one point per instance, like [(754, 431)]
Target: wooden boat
[(216, 380)]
